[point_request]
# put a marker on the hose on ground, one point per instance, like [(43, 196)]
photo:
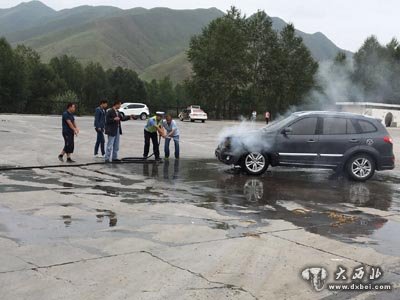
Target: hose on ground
[(126, 160), (129, 160)]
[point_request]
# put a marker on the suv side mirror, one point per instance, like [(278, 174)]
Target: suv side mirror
[(287, 130)]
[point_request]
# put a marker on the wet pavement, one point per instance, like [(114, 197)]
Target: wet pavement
[(191, 229)]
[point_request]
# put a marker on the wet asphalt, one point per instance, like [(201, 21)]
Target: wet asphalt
[(320, 201), (208, 230)]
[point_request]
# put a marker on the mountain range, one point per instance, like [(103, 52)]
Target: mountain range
[(153, 42)]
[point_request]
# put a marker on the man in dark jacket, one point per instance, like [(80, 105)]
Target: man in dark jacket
[(99, 126), (114, 130)]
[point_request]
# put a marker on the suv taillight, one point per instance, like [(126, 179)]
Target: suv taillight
[(388, 139)]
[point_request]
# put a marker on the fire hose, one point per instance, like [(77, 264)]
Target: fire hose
[(140, 159), (126, 160)]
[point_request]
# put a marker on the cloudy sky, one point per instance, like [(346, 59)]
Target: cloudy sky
[(346, 22)]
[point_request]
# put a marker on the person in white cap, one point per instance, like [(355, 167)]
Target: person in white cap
[(153, 126)]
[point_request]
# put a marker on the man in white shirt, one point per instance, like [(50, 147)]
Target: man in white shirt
[(172, 134), (254, 116)]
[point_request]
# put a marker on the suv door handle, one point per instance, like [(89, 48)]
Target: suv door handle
[(353, 141), (311, 141)]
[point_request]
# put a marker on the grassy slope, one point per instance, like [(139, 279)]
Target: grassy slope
[(134, 40), (63, 20), (177, 67)]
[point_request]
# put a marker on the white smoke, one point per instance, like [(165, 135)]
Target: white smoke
[(334, 84), (375, 80), (240, 129), (247, 136)]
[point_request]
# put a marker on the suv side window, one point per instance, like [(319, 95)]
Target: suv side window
[(366, 127), (338, 126), (135, 106), (306, 126)]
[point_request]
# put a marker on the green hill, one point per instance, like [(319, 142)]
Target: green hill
[(63, 20), (24, 16), (320, 46), (151, 41), (177, 68), (135, 38)]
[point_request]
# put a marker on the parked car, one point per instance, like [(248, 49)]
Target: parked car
[(193, 113), (357, 144), (137, 109)]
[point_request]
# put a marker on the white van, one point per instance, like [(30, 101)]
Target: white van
[(193, 113)]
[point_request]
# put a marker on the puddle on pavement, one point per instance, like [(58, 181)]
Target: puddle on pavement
[(103, 216), (110, 215), (315, 200), (24, 227)]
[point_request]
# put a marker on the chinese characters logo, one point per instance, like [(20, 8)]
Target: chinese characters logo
[(359, 278)]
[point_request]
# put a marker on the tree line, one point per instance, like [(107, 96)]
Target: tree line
[(239, 63), (28, 85)]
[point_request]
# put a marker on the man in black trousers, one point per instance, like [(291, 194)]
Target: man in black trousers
[(99, 126), (152, 129), (69, 130), (114, 130)]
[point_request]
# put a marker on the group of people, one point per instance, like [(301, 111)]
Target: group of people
[(267, 116), (108, 122)]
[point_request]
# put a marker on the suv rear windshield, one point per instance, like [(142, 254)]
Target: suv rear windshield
[(335, 125)]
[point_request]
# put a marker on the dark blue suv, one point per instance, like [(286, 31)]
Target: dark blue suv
[(357, 144)]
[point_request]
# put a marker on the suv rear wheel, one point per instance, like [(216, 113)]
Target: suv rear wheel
[(143, 116), (360, 167), (255, 163)]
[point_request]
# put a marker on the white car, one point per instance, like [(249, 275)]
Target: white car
[(193, 113), (139, 110)]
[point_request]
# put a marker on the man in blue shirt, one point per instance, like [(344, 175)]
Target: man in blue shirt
[(99, 126), (69, 130), (172, 134)]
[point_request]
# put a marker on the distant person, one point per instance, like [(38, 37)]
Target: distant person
[(172, 134), (254, 115), (113, 131), (99, 126), (153, 126), (267, 117), (69, 130)]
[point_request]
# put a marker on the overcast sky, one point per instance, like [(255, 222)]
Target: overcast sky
[(346, 22)]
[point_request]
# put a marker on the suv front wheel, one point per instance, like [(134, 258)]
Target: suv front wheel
[(360, 167), (255, 163)]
